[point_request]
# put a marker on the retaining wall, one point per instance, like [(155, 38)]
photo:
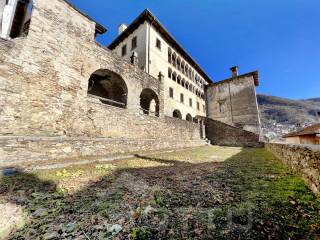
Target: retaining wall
[(302, 159)]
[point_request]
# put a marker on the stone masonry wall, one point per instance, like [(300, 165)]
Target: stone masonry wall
[(302, 159), (223, 134), (234, 102), (44, 81)]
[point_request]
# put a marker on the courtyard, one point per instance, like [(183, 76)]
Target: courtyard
[(198, 193)]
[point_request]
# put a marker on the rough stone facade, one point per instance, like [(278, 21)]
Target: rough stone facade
[(302, 159), (44, 83), (234, 102), (220, 133)]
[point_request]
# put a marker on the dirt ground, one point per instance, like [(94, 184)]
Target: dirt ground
[(201, 193)]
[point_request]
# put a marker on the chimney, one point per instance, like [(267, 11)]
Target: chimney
[(234, 71), (122, 27)]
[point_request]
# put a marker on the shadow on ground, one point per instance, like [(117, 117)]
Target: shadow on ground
[(251, 195)]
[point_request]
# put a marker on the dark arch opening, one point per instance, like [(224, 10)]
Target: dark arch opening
[(149, 102), (189, 117), (108, 87), (177, 114)]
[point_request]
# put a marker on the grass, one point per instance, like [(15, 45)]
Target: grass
[(201, 193)]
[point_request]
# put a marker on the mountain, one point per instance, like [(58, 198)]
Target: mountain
[(280, 116)]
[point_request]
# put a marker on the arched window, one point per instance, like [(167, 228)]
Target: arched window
[(187, 85), (183, 82), (177, 114), (189, 117), (174, 76), (179, 80), (108, 87), (190, 87), (169, 55), (192, 76), (182, 67), (149, 102), (169, 73), (174, 59), (186, 70), (189, 73), (179, 63)]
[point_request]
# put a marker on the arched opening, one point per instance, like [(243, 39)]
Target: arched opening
[(182, 66), (179, 80), (169, 55), (174, 59), (189, 117), (179, 63), (108, 87), (169, 73), (149, 102), (174, 76), (15, 16), (177, 114), (183, 82)]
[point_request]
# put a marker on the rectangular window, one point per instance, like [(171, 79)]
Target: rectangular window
[(171, 92), (158, 44), (124, 50), (181, 98), (134, 43), (222, 106), (198, 105), (190, 102)]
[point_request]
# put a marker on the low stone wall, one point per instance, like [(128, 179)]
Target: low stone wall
[(17, 150), (302, 159), (223, 134)]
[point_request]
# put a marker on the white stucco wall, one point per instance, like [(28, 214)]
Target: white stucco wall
[(159, 63)]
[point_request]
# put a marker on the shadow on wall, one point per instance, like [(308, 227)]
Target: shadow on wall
[(238, 198)]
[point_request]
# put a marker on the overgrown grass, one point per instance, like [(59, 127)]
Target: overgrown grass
[(203, 193)]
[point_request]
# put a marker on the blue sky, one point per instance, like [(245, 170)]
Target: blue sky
[(280, 38)]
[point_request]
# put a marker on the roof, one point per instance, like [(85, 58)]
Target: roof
[(99, 28), (254, 74), (146, 15), (311, 130)]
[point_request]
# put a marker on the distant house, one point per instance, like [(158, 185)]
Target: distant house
[(307, 135)]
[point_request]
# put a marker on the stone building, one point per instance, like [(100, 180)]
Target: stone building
[(157, 51), (233, 101), (64, 95)]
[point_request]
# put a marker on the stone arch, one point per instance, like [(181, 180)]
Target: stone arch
[(149, 102), (189, 117), (109, 87), (177, 114)]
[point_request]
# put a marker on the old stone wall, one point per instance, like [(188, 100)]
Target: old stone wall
[(31, 150), (220, 133), (302, 159), (233, 101), (44, 83)]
